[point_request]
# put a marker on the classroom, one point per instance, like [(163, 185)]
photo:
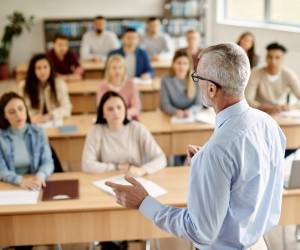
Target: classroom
[(154, 124)]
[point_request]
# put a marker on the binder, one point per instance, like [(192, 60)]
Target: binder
[(61, 190)]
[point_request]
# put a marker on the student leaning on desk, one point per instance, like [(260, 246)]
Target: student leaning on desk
[(24, 149), (46, 97), (236, 179)]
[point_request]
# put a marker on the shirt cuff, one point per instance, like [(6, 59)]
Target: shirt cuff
[(149, 207)]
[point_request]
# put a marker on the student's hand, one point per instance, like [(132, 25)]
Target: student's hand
[(33, 183), (187, 113), (123, 166), (47, 117), (180, 113), (271, 109), (191, 150), (136, 171), (130, 196), (145, 76), (285, 107), (155, 58), (38, 119)]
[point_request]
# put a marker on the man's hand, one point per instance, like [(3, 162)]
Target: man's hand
[(191, 150), (130, 196)]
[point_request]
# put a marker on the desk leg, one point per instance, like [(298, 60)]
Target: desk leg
[(58, 247), (156, 244), (148, 245)]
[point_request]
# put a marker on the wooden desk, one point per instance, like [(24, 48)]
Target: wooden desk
[(95, 70), (83, 95), (172, 138), (95, 216)]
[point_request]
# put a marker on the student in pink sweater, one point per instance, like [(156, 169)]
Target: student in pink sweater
[(115, 79)]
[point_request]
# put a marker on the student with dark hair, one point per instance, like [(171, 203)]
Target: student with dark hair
[(64, 60), (115, 143), (269, 86), (157, 43), (247, 42), (178, 93), (24, 148), (96, 43), (45, 96), (137, 59)]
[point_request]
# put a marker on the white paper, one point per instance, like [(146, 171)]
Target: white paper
[(203, 115), (137, 80), (152, 188), (295, 113), (52, 123), (18, 197)]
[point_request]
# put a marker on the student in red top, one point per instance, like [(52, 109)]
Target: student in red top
[(65, 61)]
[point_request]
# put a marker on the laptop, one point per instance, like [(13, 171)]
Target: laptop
[(293, 182)]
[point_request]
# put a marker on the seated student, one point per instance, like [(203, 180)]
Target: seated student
[(65, 62), (115, 143), (46, 96), (24, 148), (269, 86), (193, 48), (116, 80), (137, 59), (157, 43), (178, 93), (247, 42), (96, 44)]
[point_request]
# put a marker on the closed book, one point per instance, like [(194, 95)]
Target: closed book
[(61, 190)]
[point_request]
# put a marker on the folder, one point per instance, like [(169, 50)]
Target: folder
[(61, 190)]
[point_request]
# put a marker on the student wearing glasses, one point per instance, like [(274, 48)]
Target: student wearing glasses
[(178, 92)]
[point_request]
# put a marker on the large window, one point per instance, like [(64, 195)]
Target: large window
[(280, 12)]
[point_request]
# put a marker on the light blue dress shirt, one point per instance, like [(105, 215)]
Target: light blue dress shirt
[(236, 184)]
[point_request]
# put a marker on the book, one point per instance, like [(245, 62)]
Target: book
[(61, 190)]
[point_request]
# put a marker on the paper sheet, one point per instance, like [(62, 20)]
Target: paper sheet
[(18, 197), (153, 189), (203, 115), (295, 113), (52, 124)]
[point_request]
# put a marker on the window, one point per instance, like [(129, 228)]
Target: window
[(276, 12)]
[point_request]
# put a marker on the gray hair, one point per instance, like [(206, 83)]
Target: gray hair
[(228, 65)]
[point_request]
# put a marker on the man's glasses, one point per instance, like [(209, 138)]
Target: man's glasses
[(196, 78)]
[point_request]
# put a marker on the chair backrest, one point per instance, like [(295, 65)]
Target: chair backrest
[(57, 165)]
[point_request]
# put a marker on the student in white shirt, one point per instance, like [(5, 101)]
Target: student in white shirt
[(97, 43)]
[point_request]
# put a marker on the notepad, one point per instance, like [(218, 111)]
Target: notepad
[(204, 115), (18, 197), (61, 190), (152, 188)]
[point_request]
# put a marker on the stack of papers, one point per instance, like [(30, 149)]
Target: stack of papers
[(18, 197), (152, 188)]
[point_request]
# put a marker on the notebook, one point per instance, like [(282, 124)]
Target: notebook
[(61, 190)]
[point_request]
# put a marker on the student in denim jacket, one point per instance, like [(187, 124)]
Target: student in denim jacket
[(24, 148)]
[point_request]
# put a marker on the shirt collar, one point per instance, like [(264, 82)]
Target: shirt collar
[(235, 109)]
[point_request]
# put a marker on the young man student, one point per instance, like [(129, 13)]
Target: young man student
[(137, 59), (96, 43), (64, 60)]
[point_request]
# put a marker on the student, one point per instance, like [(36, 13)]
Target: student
[(247, 42), (157, 43), (137, 59), (24, 149), (115, 143), (193, 48), (65, 62), (96, 44), (46, 96), (178, 93), (269, 86), (116, 80)]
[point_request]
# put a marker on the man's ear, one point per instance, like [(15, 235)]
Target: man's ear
[(212, 90)]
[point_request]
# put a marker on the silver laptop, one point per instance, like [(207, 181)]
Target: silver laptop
[(293, 182)]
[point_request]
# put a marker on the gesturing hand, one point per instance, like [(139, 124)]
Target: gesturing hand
[(130, 196)]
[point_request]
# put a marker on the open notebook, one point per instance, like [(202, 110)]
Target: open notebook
[(152, 188)]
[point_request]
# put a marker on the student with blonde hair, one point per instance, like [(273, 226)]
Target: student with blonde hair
[(116, 79), (178, 93)]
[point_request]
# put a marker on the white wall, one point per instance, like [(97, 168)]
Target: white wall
[(30, 43), (229, 33)]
